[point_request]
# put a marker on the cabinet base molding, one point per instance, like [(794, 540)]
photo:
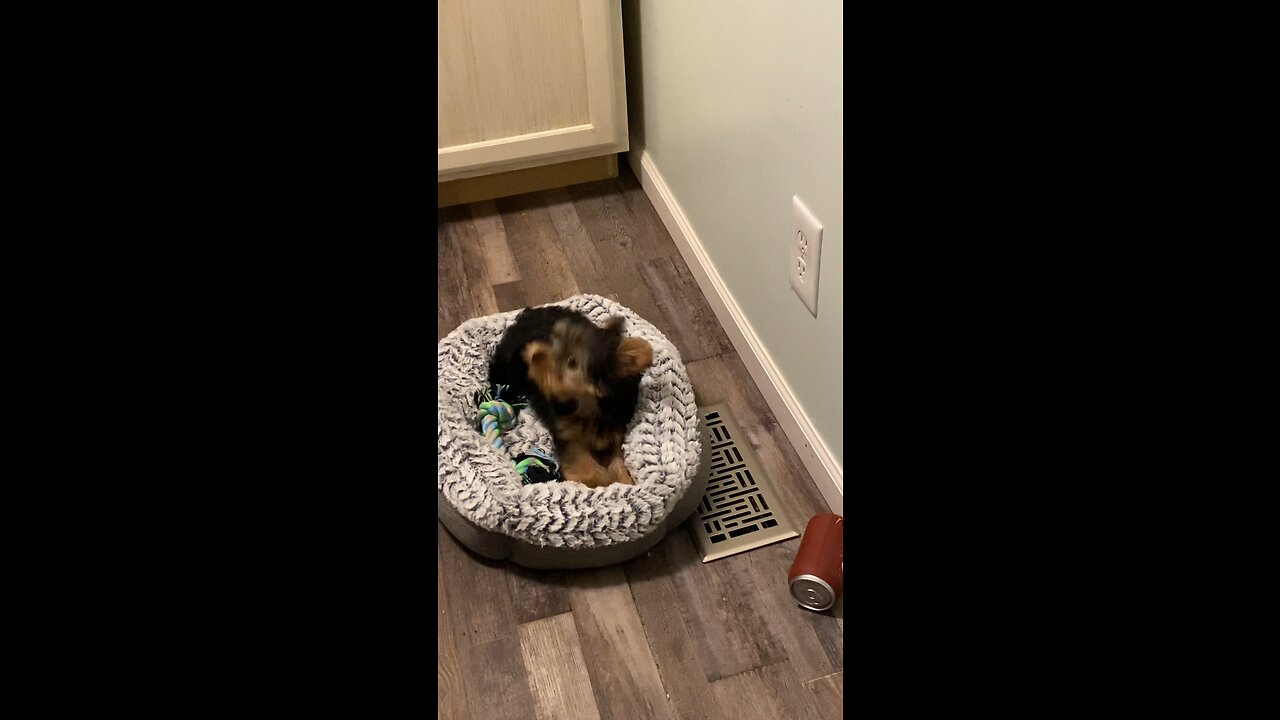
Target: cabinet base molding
[(516, 182)]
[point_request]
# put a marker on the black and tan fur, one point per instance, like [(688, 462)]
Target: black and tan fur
[(582, 380)]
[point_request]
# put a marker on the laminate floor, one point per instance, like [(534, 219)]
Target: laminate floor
[(661, 636)]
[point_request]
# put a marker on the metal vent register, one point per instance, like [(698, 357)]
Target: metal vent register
[(739, 509)]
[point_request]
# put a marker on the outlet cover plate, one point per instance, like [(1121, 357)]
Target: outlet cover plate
[(805, 254)]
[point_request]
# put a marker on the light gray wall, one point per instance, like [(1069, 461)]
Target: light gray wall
[(740, 106)]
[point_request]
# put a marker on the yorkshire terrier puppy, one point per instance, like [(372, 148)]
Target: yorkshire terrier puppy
[(582, 380)]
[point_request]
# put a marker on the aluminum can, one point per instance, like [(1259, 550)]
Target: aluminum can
[(817, 574)]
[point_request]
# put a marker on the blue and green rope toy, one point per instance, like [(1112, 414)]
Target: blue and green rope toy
[(494, 417)]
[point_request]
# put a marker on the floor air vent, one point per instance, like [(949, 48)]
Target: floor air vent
[(739, 510)]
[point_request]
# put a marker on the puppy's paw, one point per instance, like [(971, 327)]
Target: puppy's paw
[(577, 465), (618, 471), (591, 475)]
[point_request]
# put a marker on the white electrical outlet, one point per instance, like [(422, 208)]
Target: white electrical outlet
[(805, 258)]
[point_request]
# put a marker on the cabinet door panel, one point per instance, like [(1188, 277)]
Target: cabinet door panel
[(524, 83)]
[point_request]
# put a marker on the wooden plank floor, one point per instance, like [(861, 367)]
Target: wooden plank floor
[(662, 636)]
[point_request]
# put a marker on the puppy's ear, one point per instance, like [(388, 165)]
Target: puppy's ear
[(615, 325), (536, 353), (538, 357), (634, 357)]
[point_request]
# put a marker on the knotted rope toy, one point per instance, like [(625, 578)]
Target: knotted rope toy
[(493, 418)]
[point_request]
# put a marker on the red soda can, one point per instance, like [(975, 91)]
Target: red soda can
[(817, 574)]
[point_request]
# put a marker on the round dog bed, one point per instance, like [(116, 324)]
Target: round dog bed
[(564, 524)]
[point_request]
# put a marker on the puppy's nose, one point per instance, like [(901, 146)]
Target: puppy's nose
[(566, 407)]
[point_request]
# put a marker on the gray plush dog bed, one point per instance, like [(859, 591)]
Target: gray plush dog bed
[(564, 524)]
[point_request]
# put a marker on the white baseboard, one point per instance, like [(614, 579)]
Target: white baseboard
[(817, 459)]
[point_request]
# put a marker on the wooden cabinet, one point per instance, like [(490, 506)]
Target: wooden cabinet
[(527, 83)]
